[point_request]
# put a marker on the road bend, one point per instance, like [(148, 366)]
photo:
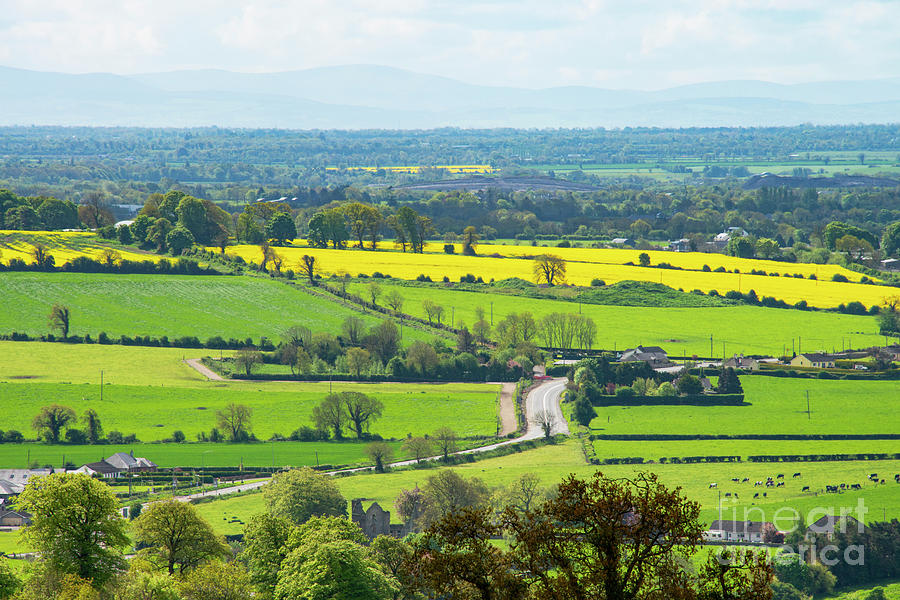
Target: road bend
[(542, 398)]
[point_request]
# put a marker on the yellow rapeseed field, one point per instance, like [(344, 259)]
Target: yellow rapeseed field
[(819, 293), (456, 169), (62, 245), (685, 260)]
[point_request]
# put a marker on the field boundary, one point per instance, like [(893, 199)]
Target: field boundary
[(636, 437)]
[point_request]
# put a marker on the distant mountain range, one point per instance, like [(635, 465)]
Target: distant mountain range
[(366, 96)]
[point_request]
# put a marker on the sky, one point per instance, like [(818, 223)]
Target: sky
[(633, 44)]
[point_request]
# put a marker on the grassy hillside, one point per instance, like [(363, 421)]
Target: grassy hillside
[(775, 406), (552, 463), (154, 412), (169, 305), (747, 329)]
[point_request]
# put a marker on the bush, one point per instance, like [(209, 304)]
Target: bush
[(449, 249), (76, 436), (178, 436), (838, 277), (597, 283), (308, 434)]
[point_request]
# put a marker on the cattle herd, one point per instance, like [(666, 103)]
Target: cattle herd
[(778, 481)]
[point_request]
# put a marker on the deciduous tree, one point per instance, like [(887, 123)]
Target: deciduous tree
[(309, 268), (361, 410), (235, 420), (445, 438), (549, 269), (176, 537), (331, 414), (380, 454), (75, 525), (51, 420), (247, 358), (299, 494), (59, 319), (418, 448)]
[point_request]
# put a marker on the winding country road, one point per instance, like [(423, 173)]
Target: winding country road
[(544, 397)]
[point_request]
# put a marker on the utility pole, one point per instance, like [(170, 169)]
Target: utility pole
[(711, 347), (101, 386), (492, 314), (808, 413)]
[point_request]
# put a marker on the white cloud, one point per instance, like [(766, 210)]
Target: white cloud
[(531, 43)]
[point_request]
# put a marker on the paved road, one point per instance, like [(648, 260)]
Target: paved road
[(544, 397)]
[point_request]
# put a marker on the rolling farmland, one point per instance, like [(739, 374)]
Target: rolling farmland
[(818, 292), (747, 329), (170, 305)]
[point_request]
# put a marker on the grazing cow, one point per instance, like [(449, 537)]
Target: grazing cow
[(713, 485), (764, 494), (780, 484), (843, 486), (855, 486), (747, 479), (805, 488), (770, 484), (735, 479), (756, 495), (873, 476), (780, 476), (728, 494), (882, 481), (831, 489), (796, 474), (757, 484), (735, 495)]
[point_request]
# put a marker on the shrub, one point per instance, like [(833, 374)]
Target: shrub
[(839, 277), (449, 249), (597, 283)]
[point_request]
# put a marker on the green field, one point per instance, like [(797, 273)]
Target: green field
[(653, 450), (42, 362), (150, 392), (776, 406), (734, 329), (552, 463), (167, 305), (153, 413), (196, 454)]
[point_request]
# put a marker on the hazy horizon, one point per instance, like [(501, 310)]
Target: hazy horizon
[(532, 45)]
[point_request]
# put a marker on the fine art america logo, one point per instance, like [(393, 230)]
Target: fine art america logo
[(814, 543)]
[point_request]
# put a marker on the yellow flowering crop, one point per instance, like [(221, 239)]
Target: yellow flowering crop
[(820, 292), (456, 169)]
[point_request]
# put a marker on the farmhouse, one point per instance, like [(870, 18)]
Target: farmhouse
[(13, 518), (813, 359), (622, 242), (737, 531), (828, 524), (655, 356), (721, 239), (100, 469), (742, 362), (128, 462), (12, 481), (682, 245)]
